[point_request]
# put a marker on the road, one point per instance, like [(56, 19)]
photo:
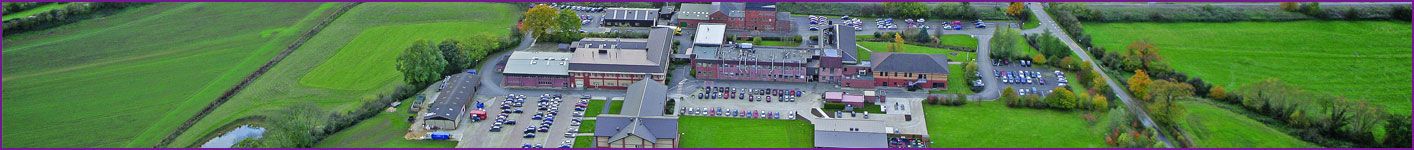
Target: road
[(1047, 23)]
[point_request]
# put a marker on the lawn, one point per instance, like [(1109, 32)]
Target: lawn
[(597, 106), (1030, 23), (384, 130), (129, 79), (908, 48), (1213, 127), (957, 81), (779, 43), (1356, 59), (713, 132), (36, 10), (960, 40), (331, 56), (586, 126), (868, 107), (992, 124)]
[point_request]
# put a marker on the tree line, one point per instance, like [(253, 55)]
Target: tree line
[(13, 7), (69, 14), (963, 10), (1286, 11)]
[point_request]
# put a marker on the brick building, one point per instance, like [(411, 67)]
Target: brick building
[(907, 70), (617, 63), (526, 69)]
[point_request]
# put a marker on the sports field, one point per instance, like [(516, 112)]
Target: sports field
[(992, 124), (714, 132), (128, 79), (1213, 127), (373, 32), (1356, 59)]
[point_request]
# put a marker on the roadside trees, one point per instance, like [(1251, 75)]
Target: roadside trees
[(1139, 84), (421, 64)]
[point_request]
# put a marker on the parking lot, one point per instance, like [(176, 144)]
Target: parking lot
[(562, 112), (1027, 80), (869, 26), (709, 101)]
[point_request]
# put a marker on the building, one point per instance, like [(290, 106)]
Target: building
[(616, 63), (856, 99), (449, 109), (689, 15), (633, 17), (758, 63), (850, 133), (910, 70), (526, 69), (753, 17), (840, 64), (641, 123)]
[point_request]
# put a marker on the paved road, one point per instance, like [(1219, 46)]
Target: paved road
[(1133, 106)]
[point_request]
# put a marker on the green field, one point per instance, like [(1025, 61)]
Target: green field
[(384, 130), (960, 40), (597, 106), (992, 124), (586, 126), (36, 10), (1355, 59), (1213, 127), (712, 132), (1031, 23), (319, 71), (128, 79), (909, 48), (957, 81)]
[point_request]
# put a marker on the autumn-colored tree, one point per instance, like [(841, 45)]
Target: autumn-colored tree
[(1100, 102), (1217, 92), (1097, 82), (1009, 96), (1067, 63), (1290, 6), (1014, 10), (540, 20), (1145, 52), (897, 46), (1039, 59), (1139, 84)]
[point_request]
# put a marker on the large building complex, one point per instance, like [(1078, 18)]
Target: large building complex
[(642, 123), (754, 17), (537, 70), (596, 63), (713, 59)]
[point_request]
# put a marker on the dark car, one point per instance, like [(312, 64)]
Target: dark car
[(518, 111), (544, 128), (510, 122), (495, 128), (529, 135)]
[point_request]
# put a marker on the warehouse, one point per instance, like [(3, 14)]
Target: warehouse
[(449, 109), (526, 69)]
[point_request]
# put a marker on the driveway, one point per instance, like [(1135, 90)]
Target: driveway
[(1049, 24)]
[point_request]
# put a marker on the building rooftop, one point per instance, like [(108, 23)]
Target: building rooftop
[(620, 43), (845, 42), (642, 115), (630, 14), (695, 11), (850, 133), (538, 63), (913, 63), (645, 98), (452, 102), (613, 60), (761, 6), (712, 34), (756, 54)]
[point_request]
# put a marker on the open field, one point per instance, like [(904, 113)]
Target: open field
[(909, 48), (992, 124), (385, 130), (712, 132), (128, 79), (960, 40), (335, 50), (1356, 59), (1213, 127), (36, 10)]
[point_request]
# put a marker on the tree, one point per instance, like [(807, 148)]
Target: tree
[(1166, 93), (453, 53), (1397, 133), (1004, 43), (484, 44), (1313, 9), (1097, 82), (1100, 101), (1068, 63), (1009, 96), (1039, 59), (906, 9), (923, 37), (1145, 52), (568, 25), (1139, 84), (1062, 98), (1289, 6), (1217, 92), (897, 46), (1014, 10), (970, 70), (421, 64), (540, 20)]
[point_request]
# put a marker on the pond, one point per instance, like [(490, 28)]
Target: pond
[(234, 136)]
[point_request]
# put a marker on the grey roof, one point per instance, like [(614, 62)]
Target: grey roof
[(844, 40), (836, 139), (618, 127), (613, 60), (660, 45), (645, 98), (620, 43), (694, 11), (731, 9), (451, 103), (538, 63), (912, 63), (761, 6), (630, 14), (768, 54)]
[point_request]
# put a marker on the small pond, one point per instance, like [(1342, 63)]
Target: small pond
[(234, 136)]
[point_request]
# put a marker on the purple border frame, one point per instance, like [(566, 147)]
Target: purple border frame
[(2, 44)]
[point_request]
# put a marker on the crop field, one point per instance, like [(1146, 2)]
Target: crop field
[(319, 70), (992, 124), (1213, 127), (713, 132), (909, 48), (36, 10), (1356, 59), (128, 79)]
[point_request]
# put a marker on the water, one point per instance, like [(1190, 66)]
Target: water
[(234, 136)]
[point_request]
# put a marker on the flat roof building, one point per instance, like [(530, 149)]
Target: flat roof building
[(537, 70), (616, 63), (635, 17), (850, 133)]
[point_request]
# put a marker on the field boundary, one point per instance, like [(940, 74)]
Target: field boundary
[(256, 74)]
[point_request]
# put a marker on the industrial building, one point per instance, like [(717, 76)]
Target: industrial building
[(616, 63), (450, 107), (525, 69)]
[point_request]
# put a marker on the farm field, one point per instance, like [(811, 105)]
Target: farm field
[(909, 48), (1213, 127), (384, 130), (992, 124), (319, 71), (129, 79), (1356, 59), (713, 132), (36, 10)]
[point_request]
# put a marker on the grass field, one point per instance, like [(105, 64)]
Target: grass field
[(908, 48), (992, 124), (712, 132), (385, 130), (36, 10), (957, 81), (1031, 23), (597, 106), (128, 79), (1213, 127), (318, 70), (586, 126), (1355, 59), (960, 40)]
